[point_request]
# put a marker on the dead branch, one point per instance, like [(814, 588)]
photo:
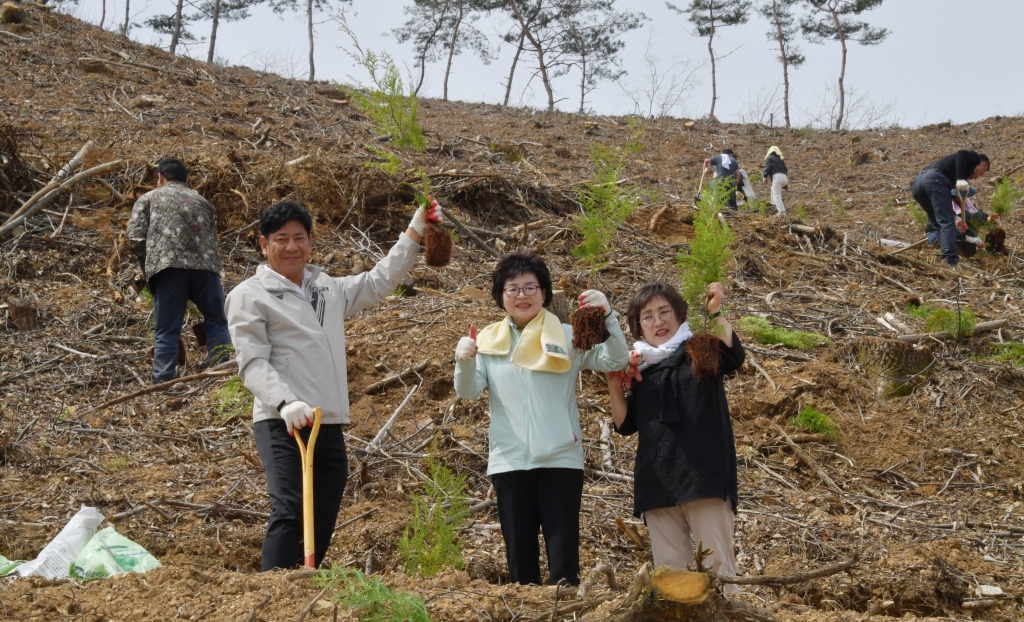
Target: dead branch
[(16, 220), (809, 461), (603, 570), (801, 577), (393, 379), (469, 233), (164, 385)]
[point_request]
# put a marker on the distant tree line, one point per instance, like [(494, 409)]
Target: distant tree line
[(583, 37)]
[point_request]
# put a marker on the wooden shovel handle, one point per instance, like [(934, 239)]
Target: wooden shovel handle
[(306, 455)]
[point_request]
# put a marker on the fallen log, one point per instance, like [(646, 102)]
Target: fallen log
[(213, 373), (981, 327), (801, 577)]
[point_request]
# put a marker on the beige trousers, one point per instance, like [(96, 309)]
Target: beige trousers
[(779, 181), (709, 521)]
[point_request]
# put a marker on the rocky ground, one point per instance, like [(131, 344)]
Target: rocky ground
[(925, 488)]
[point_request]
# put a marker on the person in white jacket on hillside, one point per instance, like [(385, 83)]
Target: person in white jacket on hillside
[(527, 364), (287, 324)]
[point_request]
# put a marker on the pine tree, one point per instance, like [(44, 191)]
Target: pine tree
[(779, 13)]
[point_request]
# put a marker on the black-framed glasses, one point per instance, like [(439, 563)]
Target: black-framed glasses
[(664, 315), (529, 290)]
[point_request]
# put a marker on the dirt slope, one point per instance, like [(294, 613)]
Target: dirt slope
[(929, 484)]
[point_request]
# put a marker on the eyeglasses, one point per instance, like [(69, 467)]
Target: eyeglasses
[(529, 290), (665, 315)]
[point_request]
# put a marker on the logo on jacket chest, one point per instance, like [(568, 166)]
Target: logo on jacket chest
[(318, 298)]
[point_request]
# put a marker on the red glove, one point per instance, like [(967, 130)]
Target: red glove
[(433, 211), (961, 226)]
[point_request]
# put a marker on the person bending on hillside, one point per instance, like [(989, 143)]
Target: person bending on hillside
[(527, 364), (726, 171), (685, 481), (288, 325), (777, 174), (932, 189), (173, 233)]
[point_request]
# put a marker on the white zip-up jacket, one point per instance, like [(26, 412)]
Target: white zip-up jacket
[(292, 347)]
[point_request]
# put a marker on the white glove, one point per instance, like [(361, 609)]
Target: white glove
[(466, 349), (423, 215), (297, 415), (594, 298), (962, 186), (975, 241)]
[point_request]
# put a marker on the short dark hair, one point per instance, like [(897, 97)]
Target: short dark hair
[(728, 152), (279, 214), (984, 158), (512, 265), (172, 169), (647, 293)]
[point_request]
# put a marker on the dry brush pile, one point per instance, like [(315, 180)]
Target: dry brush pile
[(919, 477)]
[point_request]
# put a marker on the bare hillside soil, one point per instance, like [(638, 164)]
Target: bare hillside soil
[(925, 488)]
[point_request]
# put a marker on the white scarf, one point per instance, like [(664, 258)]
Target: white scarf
[(652, 356)]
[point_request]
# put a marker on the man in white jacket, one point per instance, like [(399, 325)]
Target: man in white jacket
[(287, 324)]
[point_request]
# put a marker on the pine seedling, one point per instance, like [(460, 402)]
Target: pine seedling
[(232, 399), (606, 203), (709, 256), (1006, 197), (391, 163), (919, 216), (887, 209), (838, 204), (431, 542), (384, 99), (816, 422), (921, 312), (957, 323), (374, 601)]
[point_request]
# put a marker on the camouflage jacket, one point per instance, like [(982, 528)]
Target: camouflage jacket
[(174, 227)]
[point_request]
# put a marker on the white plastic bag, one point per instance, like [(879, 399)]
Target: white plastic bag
[(54, 561)]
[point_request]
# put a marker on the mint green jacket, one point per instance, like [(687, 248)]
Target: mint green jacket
[(534, 419)]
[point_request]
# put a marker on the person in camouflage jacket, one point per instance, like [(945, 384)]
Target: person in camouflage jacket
[(173, 232)]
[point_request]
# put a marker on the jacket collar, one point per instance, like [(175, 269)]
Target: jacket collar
[(273, 284)]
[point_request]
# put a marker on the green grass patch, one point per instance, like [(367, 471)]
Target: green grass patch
[(232, 399), (1012, 353), (801, 212), (431, 542), (816, 422), (957, 324), (758, 205), (763, 331), (838, 204), (375, 601), (117, 463)]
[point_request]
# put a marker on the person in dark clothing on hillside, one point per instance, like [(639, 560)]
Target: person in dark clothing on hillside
[(726, 171), (685, 480), (932, 189), (776, 173), (173, 232)]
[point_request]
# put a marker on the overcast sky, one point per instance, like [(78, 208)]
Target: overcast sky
[(944, 59)]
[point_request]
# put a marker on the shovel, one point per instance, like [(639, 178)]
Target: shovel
[(700, 185), (306, 454)]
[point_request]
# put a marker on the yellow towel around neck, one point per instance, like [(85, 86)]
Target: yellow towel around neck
[(542, 345)]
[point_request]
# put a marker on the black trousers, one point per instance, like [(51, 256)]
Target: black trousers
[(547, 499), (279, 453), (172, 288), (932, 191)]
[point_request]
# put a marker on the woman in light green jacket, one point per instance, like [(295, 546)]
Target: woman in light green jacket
[(536, 452)]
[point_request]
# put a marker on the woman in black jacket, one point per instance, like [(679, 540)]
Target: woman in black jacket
[(776, 173), (685, 482)]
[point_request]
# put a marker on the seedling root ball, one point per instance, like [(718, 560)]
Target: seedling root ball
[(438, 246), (703, 351), (587, 328)]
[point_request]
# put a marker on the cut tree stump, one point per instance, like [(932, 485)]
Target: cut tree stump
[(560, 305), (23, 314), (670, 594), (895, 367)]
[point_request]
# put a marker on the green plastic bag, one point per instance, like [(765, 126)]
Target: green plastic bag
[(109, 554), (7, 565)]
